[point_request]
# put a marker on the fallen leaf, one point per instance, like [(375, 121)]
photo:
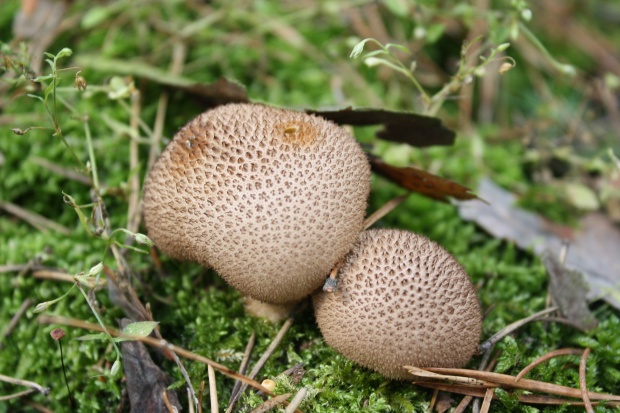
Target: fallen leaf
[(569, 290), (146, 382), (402, 127), (421, 181), (593, 249)]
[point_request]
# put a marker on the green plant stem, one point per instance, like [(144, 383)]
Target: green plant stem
[(99, 320), (91, 155)]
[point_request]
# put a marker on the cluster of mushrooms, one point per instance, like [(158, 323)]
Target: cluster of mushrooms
[(273, 200)]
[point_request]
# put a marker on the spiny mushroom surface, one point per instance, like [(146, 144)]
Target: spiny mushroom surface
[(401, 300), (269, 198)]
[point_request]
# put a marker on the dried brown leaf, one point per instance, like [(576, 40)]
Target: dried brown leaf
[(421, 181), (146, 383), (593, 249), (411, 128), (569, 290)]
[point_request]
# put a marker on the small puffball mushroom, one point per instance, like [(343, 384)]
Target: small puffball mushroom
[(269, 198), (402, 300)]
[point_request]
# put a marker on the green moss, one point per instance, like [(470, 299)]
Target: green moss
[(287, 56)]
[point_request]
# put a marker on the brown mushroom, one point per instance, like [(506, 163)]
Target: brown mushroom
[(402, 300), (269, 198)]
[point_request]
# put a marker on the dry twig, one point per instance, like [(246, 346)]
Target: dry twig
[(582, 382), (163, 344), (43, 390)]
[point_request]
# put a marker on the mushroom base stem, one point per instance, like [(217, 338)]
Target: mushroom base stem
[(272, 312)]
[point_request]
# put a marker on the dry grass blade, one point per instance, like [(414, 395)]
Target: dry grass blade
[(548, 356), (271, 403), (16, 395), (167, 402), (164, 345), (384, 210), (261, 362), (460, 408), (43, 390), (299, 397), (242, 368), (39, 222), (418, 372), (14, 320), (66, 172), (491, 341), (212, 390), (508, 382), (63, 276), (200, 394), (582, 382), (472, 391), (486, 403)]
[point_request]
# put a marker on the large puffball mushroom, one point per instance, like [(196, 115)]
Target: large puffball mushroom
[(270, 198), (402, 300)]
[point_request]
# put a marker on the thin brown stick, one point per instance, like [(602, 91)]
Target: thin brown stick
[(59, 170), (548, 356), (299, 397), (431, 405), (384, 210), (38, 406), (491, 341), (133, 210), (242, 369), (16, 395), (212, 390), (63, 276), (460, 408), (15, 319), (486, 403), (190, 405), (582, 381), (160, 344), (261, 362), (201, 392), (38, 221), (508, 382), (268, 405), (167, 403), (157, 343), (425, 373), (274, 344), (474, 391), (43, 390)]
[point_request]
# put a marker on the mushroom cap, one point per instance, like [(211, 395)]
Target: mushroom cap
[(402, 300), (269, 198)]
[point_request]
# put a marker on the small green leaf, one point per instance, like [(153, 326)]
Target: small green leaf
[(359, 48), (96, 270), (64, 53), (115, 367), (40, 78), (140, 329)]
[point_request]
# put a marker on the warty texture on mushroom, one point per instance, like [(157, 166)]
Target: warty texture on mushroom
[(269, 198), (402, 300)]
